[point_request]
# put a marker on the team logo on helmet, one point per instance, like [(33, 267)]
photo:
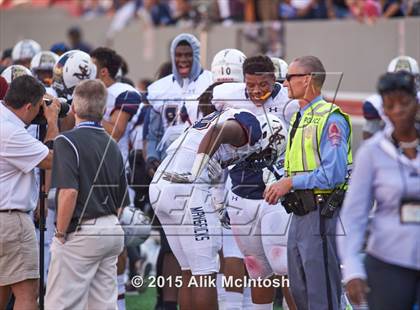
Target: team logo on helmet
[(46, 61), (84, 73), (403, 65), (18, 71)]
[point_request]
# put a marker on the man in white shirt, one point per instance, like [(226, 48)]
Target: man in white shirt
[(20, 153)]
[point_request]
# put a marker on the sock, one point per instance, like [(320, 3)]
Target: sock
[(170, 305), (233, 300), (121, 291), (247, 300), (221, 297), (263, 306)]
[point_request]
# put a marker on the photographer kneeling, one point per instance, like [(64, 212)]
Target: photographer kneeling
[(20, 153)]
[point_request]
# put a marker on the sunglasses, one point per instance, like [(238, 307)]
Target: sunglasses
[(290, 76)]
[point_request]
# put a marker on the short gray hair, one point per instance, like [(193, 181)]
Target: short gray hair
[(89, 100), (315, 67)]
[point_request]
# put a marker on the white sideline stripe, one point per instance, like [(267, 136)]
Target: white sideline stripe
[(357, 120), (346, 95)]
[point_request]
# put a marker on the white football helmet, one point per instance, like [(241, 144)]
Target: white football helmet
[(44, 60), (405, 63), (136, 226), (70, 69), (42, 66), (25, 49), (227, 66), (280, 67), (273, 133), (14, 71)]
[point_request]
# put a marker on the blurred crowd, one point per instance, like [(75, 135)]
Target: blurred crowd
[(190, 12)]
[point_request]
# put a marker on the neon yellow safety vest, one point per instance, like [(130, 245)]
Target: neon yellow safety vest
[(303, 155)]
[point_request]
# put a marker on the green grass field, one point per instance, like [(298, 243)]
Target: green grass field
[(144, 301), (147, 300)]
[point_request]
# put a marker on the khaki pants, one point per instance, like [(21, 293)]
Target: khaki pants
[(83, 271)]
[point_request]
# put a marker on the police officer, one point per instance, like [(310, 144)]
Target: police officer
[(387, 169), (317, 157)]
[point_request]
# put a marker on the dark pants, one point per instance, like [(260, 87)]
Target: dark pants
[(139, 180), (133, 253), (314, 269), (391, 287)]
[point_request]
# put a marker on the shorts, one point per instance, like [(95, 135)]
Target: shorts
[(260, 231), (19, 254), (190, 224)]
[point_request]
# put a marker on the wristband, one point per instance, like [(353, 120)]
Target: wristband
[(59, 234), (49, 144), (200, 162)]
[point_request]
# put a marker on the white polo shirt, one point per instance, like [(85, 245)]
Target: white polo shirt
[(20, 153)]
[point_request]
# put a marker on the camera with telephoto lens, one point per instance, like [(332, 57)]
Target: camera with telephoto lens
[(64, 109)]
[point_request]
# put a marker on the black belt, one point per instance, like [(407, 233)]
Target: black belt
[(14, 210), (301, 202)]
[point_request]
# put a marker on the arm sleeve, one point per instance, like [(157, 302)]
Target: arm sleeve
[(354, 215), (333, 154), (369, 111), (65, 173), (251, 125), (23, 151), (154, 134)]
